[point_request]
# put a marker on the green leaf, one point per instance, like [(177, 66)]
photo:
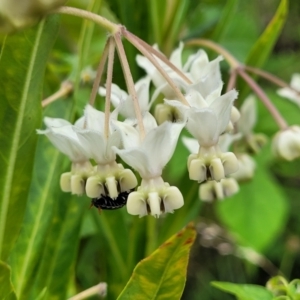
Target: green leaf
[(261, 50), (43, 195), (22, 64), (162, 275), (257, 214), (264, 45), (60, 248), (244, 291), (224, 20), (6, 288)]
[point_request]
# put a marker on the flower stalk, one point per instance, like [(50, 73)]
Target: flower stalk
[(111, 53), (282, 124), (144, 51), (130, 83), (65, 89)]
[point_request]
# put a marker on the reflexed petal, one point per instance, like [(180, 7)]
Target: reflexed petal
[(159, 145), (55, 122), (130, 136), (94, 118), (175, 57), (248, 116), (295, 82), (191, 144), (66, 141), (137, 159), (195, 99), (203, 125), (142, 90), (149, 122), (227, 139), (95, 146), (222, 106)]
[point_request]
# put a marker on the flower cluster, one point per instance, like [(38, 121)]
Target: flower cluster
[(146, 143)]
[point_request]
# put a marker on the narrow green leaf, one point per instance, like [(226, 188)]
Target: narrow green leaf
[(226, 16), (162, 275), (264, 45), (6, 288), (244, 291), (261, 50), (43, 195), (22, 65), (257, 214)]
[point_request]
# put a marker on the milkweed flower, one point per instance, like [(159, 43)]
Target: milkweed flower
[(246, 123), (206, 124), (149, 157), (157, 79), (123, 102), (109, 178), (216, 190), (62, 135), (286, 143)]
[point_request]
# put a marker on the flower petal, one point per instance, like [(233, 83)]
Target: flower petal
[(159, 145), (66, 141), (191, 144), (203, 125), (222, 107), (94, 118), (137, 159)]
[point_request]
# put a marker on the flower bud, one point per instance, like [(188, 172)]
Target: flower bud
[(286, 143)]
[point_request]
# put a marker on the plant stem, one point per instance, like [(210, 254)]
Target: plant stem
[(264, 98), (131, 38), (108, 25), (151, 235), (128, 35), (110, 64), (232, 80), (65, 88), (130, 84), (232, 61), (99, 74), (99, 289), (270, 77)]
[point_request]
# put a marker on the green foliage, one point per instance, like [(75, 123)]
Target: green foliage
[(6, 288), (257, 214), (262, 48), (22, 62), (244, 291), (162, 274)]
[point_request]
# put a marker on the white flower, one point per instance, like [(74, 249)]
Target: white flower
[(157, 79), (63, 136), (110, 178), (123, 102), (149, 157), (246, 123), (286, 143), (292, 94), (213, 190), (246, 169)]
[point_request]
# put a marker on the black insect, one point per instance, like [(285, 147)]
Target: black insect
[(106, 202)]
